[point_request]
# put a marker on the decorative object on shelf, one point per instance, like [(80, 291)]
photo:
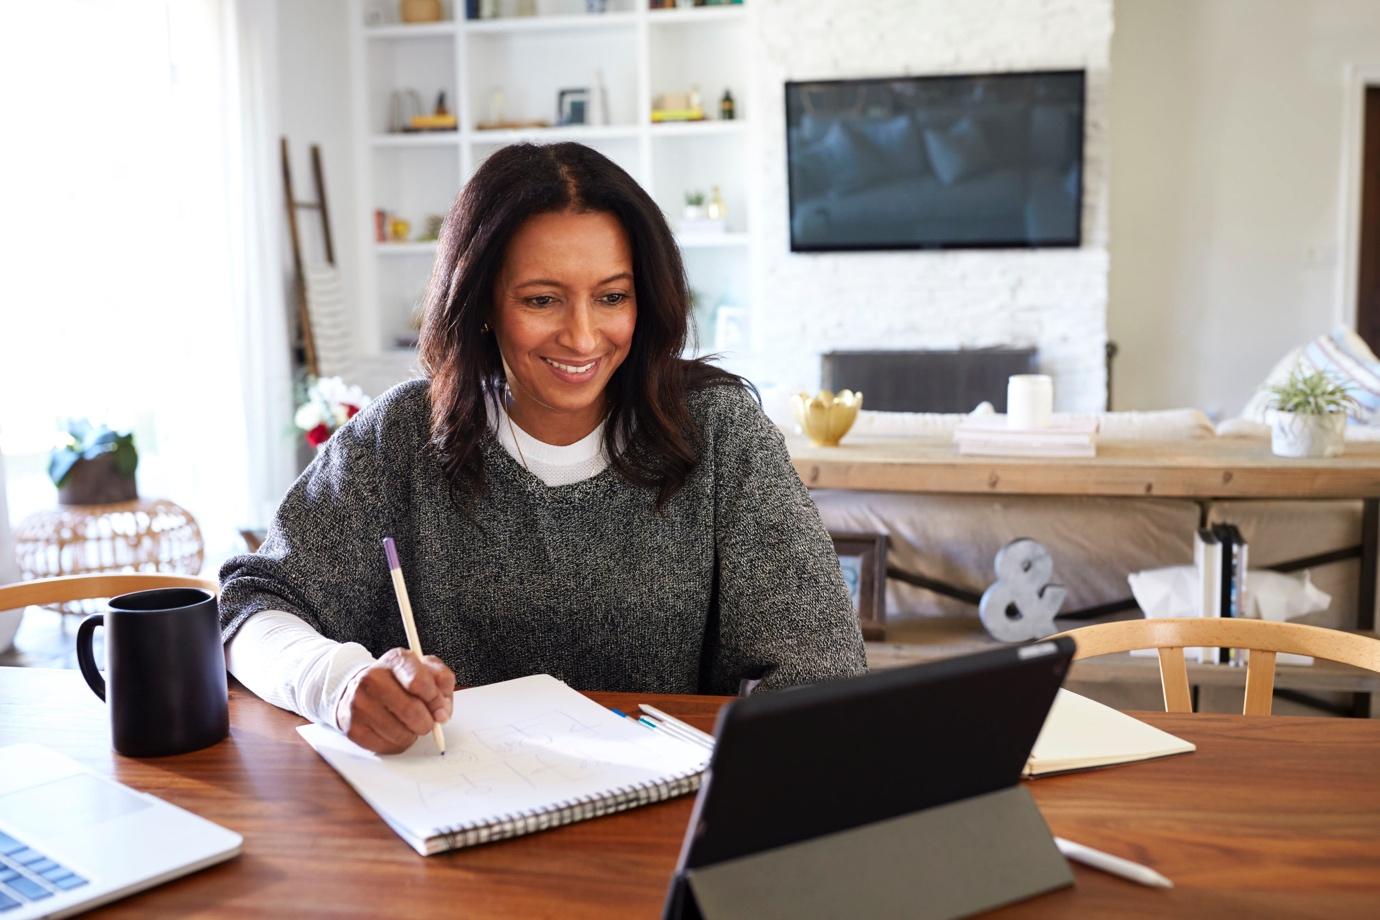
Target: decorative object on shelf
[(398, 229), (1308, 415), (420, 10), (329, 403), (498, 106), (1022, 603), (434, 223), (144, 535), (524, 7), (599, 100), (380, 225), (572, 106), (512, 125), (676, 107), (472, 9), (727, 108), (94, 465), (694, 206), (596, 6), (862, 561), (715, 210), (403, 106), (488, 9), (699, 218), (825, 418), (440, 119)]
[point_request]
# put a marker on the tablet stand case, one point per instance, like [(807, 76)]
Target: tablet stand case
[(948, 861)]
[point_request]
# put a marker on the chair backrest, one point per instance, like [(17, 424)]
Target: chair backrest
[(66, 588), (1263, 638)]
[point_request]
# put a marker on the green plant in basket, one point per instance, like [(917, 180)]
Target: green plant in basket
[(1311, 393), (85, 441)]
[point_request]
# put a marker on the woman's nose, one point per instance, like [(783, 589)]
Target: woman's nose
[(579, 334)]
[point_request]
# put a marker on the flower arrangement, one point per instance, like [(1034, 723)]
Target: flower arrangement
[(329, 403)]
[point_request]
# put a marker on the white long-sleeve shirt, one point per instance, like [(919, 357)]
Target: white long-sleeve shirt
[(283, 660)]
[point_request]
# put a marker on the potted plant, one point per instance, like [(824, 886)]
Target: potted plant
[(94, 465), (1308, 415)]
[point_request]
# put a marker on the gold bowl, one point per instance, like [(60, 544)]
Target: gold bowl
[(826, 418)]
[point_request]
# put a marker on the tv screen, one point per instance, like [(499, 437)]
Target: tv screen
[(947, 162)]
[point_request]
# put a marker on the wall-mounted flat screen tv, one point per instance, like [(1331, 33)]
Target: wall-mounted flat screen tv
[(945, 162)]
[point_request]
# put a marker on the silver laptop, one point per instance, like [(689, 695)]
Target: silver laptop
[(71, 839)]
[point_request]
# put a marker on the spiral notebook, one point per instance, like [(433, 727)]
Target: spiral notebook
[(523, 755)]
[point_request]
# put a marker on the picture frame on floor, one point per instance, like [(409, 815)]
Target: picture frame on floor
[(862, 560)]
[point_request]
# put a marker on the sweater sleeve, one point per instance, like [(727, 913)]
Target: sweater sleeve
[(322, 560), (784, 614)]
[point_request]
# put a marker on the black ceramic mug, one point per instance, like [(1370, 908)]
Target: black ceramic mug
[(165, 668)]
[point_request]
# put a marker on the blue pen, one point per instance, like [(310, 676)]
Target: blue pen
[(618, 711), (648, 722)]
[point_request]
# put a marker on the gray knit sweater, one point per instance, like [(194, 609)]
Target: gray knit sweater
[(735, 578)]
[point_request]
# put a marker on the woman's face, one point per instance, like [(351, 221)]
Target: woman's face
[(564, 314)]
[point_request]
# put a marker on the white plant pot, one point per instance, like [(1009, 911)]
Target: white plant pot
[(1295, 435)]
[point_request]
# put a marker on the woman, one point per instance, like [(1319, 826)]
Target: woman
[(568, 495)]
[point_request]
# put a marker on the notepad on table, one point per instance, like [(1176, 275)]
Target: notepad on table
[(1080, 734), (523, 755)]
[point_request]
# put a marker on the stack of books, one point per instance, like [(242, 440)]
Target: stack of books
[(1220, 553), (991, 436)]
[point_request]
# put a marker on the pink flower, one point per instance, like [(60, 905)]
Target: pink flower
[(318, 435)]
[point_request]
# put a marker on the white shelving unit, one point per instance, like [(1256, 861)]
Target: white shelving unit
[(640, 52)]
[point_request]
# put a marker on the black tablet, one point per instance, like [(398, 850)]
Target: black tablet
[(798, 764)]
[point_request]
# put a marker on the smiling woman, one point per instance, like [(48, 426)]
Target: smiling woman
[(568, 495)]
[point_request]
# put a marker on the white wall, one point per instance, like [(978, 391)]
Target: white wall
[(1226, 189), (805, 304), (314, 108)]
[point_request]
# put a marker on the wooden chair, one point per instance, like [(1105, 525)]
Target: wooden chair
[(1263, 638), (44, 591)]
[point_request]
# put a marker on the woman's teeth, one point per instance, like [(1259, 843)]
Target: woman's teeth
[(571, 368)]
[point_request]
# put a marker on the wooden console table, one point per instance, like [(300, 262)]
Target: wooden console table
[(1204, 469), (1201, 469)]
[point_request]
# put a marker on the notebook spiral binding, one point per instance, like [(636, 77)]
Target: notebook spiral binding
[(580, 808)]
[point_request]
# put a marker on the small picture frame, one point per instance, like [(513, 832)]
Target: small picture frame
[(572, 106), (862, 559)]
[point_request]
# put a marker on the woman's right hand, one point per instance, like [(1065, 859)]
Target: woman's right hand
[(392, 703)]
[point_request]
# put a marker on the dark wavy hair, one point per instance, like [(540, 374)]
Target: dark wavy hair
[(646, 396)]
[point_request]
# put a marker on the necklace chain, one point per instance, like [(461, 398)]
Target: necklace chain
[(516, 442)]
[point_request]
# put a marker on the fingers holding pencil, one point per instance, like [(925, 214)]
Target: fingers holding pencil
[(380, 712)]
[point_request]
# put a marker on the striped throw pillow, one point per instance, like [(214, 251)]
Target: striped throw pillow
[(1345, 358)]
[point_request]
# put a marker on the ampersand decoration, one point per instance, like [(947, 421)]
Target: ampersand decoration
[(1021, 604)]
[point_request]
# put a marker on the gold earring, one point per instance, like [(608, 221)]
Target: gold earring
[(484, 329)]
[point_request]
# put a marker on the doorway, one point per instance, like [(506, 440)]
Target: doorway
[(1368, 258)]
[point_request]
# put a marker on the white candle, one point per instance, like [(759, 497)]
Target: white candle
[(1029, 401)]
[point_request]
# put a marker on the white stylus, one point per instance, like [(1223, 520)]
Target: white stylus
[(1113, 864)]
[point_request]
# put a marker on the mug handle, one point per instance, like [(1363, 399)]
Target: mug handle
[(85, 659)]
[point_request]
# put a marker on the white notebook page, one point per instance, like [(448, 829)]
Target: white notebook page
[(512, 746)]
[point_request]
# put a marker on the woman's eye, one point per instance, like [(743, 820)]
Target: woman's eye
[(541, 300), (615, 298)]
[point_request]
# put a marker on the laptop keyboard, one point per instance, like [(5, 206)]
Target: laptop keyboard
[(28, 875)]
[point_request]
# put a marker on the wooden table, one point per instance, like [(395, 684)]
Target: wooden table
[(1271, 817)]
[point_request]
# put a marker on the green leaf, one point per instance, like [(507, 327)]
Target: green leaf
[(126, 457)]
